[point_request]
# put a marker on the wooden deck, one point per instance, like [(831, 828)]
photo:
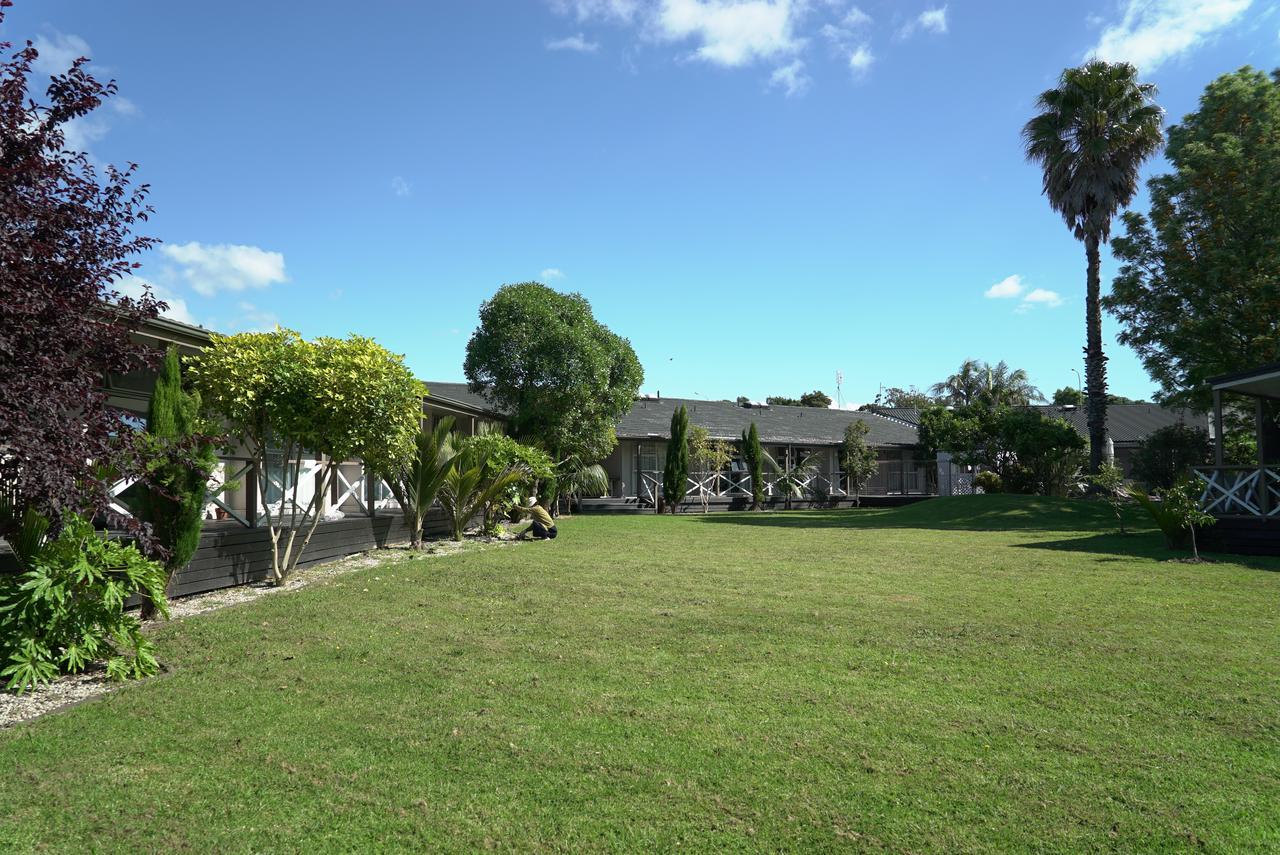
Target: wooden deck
[(230, 554)]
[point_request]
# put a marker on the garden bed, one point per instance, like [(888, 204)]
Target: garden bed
[(72, 689)]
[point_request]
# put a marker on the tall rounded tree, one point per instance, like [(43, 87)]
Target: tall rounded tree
[(675, 474), (1199, 283), (1091, 136), (562, 376)]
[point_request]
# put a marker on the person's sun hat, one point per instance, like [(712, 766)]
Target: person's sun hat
[(531, 501)]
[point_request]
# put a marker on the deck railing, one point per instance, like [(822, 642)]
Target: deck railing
[(1240, 491), (894, 478)]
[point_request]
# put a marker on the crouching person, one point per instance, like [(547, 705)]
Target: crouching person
[(542, 527)]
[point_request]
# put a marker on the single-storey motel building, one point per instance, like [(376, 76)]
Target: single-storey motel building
[(360, 513)]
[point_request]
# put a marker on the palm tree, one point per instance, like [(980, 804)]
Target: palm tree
[(417, 482), (470, 487), (1092, 134), (980, 381)]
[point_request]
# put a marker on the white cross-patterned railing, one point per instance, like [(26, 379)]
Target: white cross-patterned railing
[(1235, 491), (283, 476), (350, 488), (804, 485), (239, 475)]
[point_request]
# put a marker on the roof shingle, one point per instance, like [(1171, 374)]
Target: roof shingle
[(651, 417)]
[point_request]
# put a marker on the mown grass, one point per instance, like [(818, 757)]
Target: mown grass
[(986, 673)]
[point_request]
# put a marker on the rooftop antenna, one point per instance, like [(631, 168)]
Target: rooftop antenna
[(839, 380)]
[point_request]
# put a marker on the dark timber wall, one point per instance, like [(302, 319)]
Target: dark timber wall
[(231, 554), (1241, 536)]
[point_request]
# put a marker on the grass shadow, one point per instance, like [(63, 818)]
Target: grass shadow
[(950, 513)]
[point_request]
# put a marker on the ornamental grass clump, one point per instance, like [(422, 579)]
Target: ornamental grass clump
[(65, 610)]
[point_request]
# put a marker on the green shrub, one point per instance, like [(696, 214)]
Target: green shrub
[(988, 482), (1168, 454), (534, 467), (66, 609), (1176, 513)]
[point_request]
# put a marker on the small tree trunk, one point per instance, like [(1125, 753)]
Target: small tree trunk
[(317, 502), (1095, 361)]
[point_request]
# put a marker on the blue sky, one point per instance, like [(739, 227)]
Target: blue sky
[(757, 193)]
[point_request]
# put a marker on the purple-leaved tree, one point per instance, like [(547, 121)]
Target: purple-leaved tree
[(66, 241)]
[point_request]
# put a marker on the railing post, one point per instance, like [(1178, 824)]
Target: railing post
[(1264, 489), (1217, 428)]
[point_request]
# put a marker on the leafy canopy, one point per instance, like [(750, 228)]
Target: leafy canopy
[(858, 458), (340, 398), (1166, 456), (563, 377), (1091, 136), (343, 398), (1030, 453), (995, 385), (816, 398), (1198, 292)]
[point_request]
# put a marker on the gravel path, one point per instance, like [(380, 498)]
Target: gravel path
[(75, 688)]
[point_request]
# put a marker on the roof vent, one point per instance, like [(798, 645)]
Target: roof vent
[(1066, 408)]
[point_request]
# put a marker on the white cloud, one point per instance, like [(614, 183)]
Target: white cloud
[(854, 21), (58, 51), (576, 42), (136, 286), (551, 273), (733, 32), (1010, 286), (252, 319), (930, 21), (123, 106), (624, 11), (1153, 31), (860, 59), (1044, 297), (210, 268), (849, 40), (933, 20), (400, 187), (856, 18), (790, 78), (56, 54), (80, 133)]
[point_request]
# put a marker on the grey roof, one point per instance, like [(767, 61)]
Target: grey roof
[(909, 415), (1126, 423), (458, 393), (651, 417)]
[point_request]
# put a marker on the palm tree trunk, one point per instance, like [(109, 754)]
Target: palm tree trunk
[(1095, 361)]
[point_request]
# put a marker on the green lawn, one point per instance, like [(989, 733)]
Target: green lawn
[(985, 673)]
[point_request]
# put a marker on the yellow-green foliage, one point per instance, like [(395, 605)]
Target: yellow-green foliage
[(343, 398)]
